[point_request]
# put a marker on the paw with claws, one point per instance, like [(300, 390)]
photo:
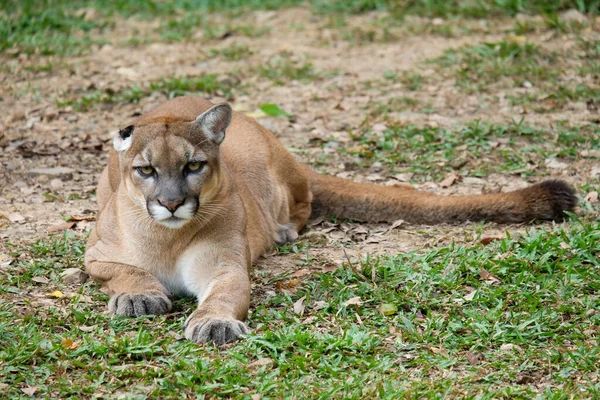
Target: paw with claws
[(219, 330), (138, 304)]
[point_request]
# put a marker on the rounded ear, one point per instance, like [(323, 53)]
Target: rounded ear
[(122, 140), (214, 121)]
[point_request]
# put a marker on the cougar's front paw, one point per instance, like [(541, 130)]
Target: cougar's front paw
[(217, 330), (138, 304), (286, 234)]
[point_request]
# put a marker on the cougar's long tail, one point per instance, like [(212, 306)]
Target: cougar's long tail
[(338, 197)]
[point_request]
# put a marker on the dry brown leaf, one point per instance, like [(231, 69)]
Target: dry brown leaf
[(591, 197), (3, 220), (29, 390), (319, 305), (84, 328), (470, 296), (487, 240), (449, 180), (488, 277), (16, 218), (40, 279), (301, 272), (428, 186), (69, 344), (472, 358), (555, 164), (299, 306), (61, 227), (361, 229), (354, 300)]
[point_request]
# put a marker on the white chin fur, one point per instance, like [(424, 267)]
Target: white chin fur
[(164, 217), (173, 223)]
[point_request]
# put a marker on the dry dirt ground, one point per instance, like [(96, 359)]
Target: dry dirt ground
[(36, 133)]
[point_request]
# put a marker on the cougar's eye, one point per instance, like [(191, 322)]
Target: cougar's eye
[(146, 171), (194, 166)]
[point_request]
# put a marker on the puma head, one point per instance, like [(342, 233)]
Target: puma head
[(170, 165)]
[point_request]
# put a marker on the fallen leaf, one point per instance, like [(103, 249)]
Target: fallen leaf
[(591, 197), (319, 305), (487, 240), (61, 227), (354, 300), (301, 273), (73, 275), (449, 180), (555, 164), (57, 294), (472, 358), (388, 309), (488, 277), (405, 177), (330, 268), (16, 218), (69, 344), (428, 186), (84, 328), (256, 396), (29, 390), (273, 110), (396, 224), (299, 306), (509, 347), (470, 296), (256, 114), (437, 350), (40, 279)]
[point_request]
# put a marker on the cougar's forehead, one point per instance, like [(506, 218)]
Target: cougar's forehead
[(163, 145), (164, 151)]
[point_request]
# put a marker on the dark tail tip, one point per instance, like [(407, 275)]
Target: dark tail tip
[(552, 198)]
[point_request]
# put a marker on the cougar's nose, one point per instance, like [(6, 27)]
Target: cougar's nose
[(171, 205)]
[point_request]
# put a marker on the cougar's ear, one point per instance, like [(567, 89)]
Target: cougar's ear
[(122, 140), (214, 121)]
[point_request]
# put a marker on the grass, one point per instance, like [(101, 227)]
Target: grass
[(476, 150), (71, 27), (559, 97), (284, 68), (458, 317), (476, 68), (516, 318), (209, 84), (235, 52)]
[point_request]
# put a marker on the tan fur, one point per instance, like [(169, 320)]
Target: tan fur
[(256, 194)]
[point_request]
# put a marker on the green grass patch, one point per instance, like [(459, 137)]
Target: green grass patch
[(70, 27), (516, 318), (476, 150), (488, 9), (558, 98), (209, 84), (284, 68), (477, 67), (235, 52)]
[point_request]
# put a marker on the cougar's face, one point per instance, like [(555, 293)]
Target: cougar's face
[(170, 167)]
